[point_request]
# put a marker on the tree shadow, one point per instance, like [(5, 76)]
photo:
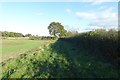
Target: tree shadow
[(61, 59), (81, 63)]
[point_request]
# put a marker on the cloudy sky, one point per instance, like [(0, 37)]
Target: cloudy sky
[(34, 17)]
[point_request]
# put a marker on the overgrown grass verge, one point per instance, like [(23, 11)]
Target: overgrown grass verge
[(57, 60), (39, 63), (82, 64)]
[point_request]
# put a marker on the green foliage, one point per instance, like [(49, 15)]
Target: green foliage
[(57, 60), (28, 35), (11, 34), (15, 35), (100, 42), (56, 29), (36, 63), (41, 38), (71, 33)]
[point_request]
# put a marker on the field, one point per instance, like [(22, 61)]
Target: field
[(52, 59), (12, 48), (60, 39)]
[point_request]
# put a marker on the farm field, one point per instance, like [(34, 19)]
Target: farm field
[(12, 48), (60, 59), (60, 39)]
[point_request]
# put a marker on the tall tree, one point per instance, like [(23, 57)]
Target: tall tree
[(56, 29)]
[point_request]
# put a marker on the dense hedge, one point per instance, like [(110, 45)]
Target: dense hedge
[(100, 42)]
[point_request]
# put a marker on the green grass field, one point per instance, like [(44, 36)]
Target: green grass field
[(53, 59), (16, 47)]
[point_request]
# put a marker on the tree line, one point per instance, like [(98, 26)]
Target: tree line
[(6, 34), (14, 34), (56, 30), (11, 34)]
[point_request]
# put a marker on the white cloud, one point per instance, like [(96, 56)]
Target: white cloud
[(68, 10), (106, 18), (96, 2), (86, 15)]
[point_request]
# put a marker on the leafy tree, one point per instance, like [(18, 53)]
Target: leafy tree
[(12, 34), (56, 29), (28, 35)]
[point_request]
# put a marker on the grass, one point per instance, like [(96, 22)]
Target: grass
[(83, 64), (12, 48), (40, 62), (60, 59)]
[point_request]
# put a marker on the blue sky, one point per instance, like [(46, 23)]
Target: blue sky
[(34, 17)]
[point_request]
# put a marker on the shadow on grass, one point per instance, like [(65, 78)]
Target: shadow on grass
[(81, 63), (61, 59)]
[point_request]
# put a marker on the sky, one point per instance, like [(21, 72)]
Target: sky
[(35, 17)]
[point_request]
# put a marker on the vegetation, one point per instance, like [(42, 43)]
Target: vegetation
[(99, 42), (57, 60), (20, 36), (28, 35), (71, 33), (11, 34), (12, 48), (42, 38), (93, 54), (56, 29)]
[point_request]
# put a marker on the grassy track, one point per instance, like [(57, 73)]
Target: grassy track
[(59, 59)]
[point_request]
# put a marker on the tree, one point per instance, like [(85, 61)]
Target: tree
[(28, 35), (56, 29)]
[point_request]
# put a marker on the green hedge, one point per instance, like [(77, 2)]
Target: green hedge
[(100, 42)]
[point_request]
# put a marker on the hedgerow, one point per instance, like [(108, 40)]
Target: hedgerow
[(100, 42)]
